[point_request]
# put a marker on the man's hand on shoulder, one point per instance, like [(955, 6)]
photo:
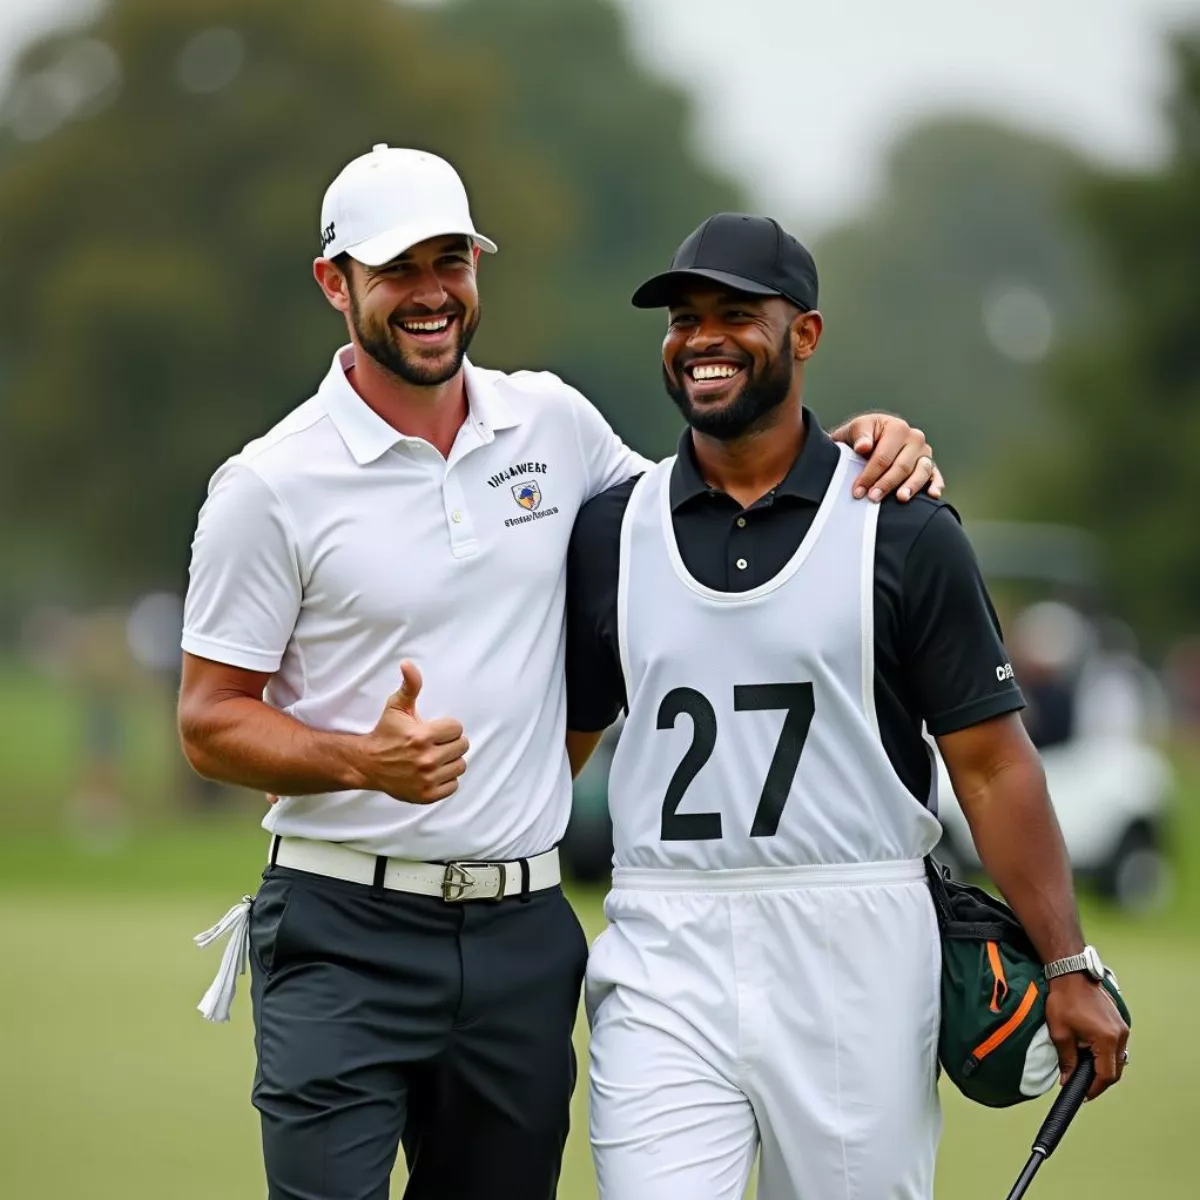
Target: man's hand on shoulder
[(899, 459)]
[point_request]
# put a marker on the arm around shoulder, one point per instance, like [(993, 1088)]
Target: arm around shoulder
[(607, 460)]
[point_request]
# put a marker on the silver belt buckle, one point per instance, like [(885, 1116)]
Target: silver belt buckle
[(463, 881)]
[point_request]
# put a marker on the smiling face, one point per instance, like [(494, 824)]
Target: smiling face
[(416, 315), (730, 360)]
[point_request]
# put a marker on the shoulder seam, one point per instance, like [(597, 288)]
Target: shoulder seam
[(525, 375), (248, 458), (583, 460), (934, 507)]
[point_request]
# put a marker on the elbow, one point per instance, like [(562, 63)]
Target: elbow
[(1006, 787), (193, 740), (1000, 773), (992, 759), (198, 760)]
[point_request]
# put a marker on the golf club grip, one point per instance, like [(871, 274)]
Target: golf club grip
[(1063, 1111)]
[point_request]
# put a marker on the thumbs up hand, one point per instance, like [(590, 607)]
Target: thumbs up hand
[(404, 699), (411, 759)]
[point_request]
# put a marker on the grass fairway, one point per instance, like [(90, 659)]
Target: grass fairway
[(114, 1087)]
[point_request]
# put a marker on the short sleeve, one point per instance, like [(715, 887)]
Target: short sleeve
[(595, 684), (607, 460), (959, 671), (244, 587)]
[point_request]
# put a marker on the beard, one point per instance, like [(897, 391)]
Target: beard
[(760, 395), (380, 342)]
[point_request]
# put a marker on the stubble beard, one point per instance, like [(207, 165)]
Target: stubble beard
[(380, 343), (760, 396)]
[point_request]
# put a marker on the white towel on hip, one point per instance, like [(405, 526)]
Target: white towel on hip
[(218, 1000)]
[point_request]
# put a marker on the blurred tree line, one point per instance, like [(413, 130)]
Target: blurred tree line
[(160, 180), (945, 299), (1128, 395), (161, 176)]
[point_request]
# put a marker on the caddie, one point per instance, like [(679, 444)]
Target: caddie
[(770, 978)]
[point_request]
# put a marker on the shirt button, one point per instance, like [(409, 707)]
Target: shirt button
[(741, 522), (742, 564), (456, 516)]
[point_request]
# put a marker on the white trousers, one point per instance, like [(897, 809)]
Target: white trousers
[(791, 1011)]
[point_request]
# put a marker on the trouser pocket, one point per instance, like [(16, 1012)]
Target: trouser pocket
[(268, 913)]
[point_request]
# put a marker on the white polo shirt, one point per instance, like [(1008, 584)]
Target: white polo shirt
[(334, 547)]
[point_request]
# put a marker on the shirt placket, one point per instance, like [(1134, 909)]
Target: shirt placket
[(742, 568), (460, 524), (739, 567)]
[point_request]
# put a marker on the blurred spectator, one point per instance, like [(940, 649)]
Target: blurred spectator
[(1049, 643), (1084, 678), (1181, 673), (100, 668), (153, 632), (1118, 695)]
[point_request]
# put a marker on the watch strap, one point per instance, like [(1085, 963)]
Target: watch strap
[(1066, 966)]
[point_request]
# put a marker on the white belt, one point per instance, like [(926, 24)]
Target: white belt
[(454, 882)]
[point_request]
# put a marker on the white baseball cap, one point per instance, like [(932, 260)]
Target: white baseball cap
[(383, 202)]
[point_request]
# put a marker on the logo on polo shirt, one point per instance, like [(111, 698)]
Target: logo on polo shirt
[(525, 468), (528, 494)]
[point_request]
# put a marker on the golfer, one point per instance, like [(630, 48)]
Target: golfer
[(375, 633)]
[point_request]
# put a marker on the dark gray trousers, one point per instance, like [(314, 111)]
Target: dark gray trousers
[(382, 1017)]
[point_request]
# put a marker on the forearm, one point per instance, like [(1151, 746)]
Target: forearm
[(580, 747), (244, 741), (1021, 847), (1004, 797)]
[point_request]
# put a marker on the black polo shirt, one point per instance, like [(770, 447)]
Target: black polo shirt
[(939, 656)]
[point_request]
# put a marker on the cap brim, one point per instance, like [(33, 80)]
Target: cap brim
[(661, 290), (383, 247)]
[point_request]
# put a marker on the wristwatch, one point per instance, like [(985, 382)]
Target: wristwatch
[(1088, 962)]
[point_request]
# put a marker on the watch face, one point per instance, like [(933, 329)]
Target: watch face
[(1095, 967)]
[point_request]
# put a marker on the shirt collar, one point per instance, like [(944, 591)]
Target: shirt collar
[(368, 436), (486, 406), (807, 479)]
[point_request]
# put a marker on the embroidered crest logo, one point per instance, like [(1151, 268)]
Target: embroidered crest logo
[(527, 494)]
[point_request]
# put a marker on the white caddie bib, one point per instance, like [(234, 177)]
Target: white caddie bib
[(752, 739)]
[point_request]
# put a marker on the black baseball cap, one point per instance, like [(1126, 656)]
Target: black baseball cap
[(748, 254)]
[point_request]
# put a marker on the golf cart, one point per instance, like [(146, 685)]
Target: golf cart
[(1095, 712)]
